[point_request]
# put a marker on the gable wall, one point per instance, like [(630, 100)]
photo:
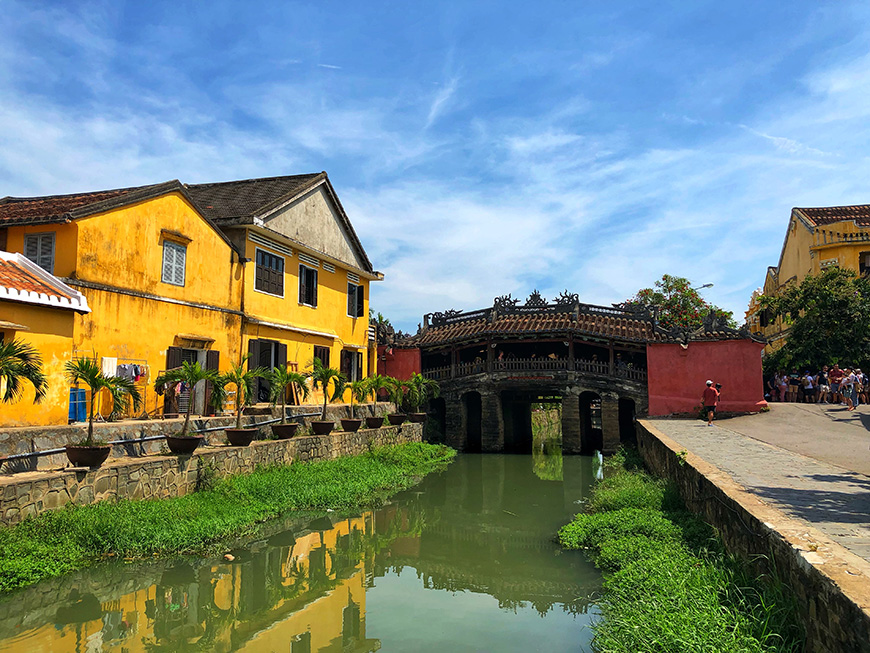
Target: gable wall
[(314, 221)]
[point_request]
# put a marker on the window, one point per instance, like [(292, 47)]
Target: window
[(39, 248), (355, 297), (323, 354), (307, 285), (173, 263), (351, 364), (269, 276)]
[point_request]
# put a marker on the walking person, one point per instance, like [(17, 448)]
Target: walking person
[(835, 376), (711, 400), (809, 388), (823, 386), (847, 388)]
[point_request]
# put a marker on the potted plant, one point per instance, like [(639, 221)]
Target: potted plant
[(280, 378), (359, 390), (376, 383), (420, 390), (396, 391), (243, 380), (89, 453), (321, 376), (191, 374)]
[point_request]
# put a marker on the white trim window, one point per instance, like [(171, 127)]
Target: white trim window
[(39, 248), (355, 300), (269, 273), (307, 286), (174, 258)]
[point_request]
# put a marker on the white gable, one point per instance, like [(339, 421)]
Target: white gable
[(314, 221)]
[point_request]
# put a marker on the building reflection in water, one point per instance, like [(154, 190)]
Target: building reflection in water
[(480, 527)]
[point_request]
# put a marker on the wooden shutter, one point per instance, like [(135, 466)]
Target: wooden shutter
[(178, 272), (212, 362), (31, 248), (173, 360), (360, 301), (46, 252), (303, 285), (351, 300), (358, 371), (168, 258), (313, 285), (281, 355)]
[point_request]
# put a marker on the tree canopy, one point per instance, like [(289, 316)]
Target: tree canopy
[(679, 304), (829, 318)]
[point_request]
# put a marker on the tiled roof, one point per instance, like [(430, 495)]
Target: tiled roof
[(57, 208), (831, 214), (591, 324), (21, 280), (241, 200)]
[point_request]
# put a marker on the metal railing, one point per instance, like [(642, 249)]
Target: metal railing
[(526, 365)]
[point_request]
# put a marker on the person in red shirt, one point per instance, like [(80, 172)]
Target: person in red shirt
[(711, 400)]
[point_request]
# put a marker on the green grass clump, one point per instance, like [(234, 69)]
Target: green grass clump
[(55, 543), (671, 587)]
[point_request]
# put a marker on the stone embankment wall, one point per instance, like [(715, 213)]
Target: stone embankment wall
[(161, 477), (830, 589), (44, 438)]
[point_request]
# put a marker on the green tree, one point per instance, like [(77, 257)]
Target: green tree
[(321, 377), (420, 390), (679, 304), (87, 371), (279, 379), (829, 319), (377, 383), (244, 382), (20, 362), (359, 391), (191, 374)]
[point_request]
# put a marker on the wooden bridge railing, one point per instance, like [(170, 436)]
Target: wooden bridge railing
[(536, 365)]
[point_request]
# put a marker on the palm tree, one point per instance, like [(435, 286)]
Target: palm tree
[(244, 382), (279, 379), (321, 376), (19, 362), (420, 390), (191, 374), (396, 389), (359, 390), (377, 383), (87, 371)]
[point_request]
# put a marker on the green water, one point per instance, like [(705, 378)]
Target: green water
[(463, 562)]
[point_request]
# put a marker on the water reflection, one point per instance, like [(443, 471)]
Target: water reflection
[(485, 527)]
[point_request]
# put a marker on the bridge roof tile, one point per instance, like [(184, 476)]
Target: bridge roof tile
[(596, 325)]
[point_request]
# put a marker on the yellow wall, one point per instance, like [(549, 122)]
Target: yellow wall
[(51, 332)]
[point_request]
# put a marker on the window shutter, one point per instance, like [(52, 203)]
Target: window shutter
[(351, 299), (281, 355), (31, 248), (360, 301), (212, 362), (303, 286), (46, 252), (180, 256), (314, 287), (358, 372), (167, 264)]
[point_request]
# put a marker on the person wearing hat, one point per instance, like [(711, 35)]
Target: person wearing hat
[(711, 400)]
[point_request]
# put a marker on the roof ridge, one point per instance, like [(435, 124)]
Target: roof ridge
[(830, 208), (10, 198), (247, 181)]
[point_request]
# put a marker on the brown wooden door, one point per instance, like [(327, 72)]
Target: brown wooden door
[(212, 362)]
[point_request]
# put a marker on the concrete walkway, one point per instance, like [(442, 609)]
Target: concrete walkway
[(810, 461)]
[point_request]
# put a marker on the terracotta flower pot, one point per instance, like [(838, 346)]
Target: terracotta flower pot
[(374, 422), (82, 456), (284, 431), (351, 425), (417, 418), (396, 419), (183, 444), (241, 437), (322, 427)]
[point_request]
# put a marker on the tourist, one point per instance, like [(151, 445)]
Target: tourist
[(860, 387), (783, 386), (711, 400), (835, 376), (847, 388), (794, 385), (823, 386), (809, 388)]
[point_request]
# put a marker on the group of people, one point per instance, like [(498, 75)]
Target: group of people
[(847, 386)]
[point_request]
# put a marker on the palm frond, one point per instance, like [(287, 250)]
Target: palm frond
[(19, 362)]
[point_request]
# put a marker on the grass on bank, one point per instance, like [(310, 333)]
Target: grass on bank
[(55, 543), (670, 586)]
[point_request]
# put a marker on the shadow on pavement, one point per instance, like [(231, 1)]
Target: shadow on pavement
[(818, 506)]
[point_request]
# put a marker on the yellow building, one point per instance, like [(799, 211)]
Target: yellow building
[(205, 273), (39, 309), (816, 238)]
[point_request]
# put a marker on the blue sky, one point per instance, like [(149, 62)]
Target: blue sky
[(480, 148)]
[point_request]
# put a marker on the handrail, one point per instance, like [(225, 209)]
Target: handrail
[(601, 368)]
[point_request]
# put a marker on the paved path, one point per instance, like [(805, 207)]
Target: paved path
[(816, 467)]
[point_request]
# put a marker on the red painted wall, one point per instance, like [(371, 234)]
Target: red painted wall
[(677, 376), (398, 363)]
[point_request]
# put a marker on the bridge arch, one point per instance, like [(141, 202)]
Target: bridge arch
[(591, 434), (472, 421), (437, 423), (627, 408)]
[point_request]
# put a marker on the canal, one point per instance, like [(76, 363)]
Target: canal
[(465, 561)]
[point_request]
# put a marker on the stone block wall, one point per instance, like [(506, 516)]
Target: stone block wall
[(832, 596), (160, 477), (134, 432)]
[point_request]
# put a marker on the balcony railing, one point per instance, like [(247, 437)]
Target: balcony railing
[(532, 365)]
